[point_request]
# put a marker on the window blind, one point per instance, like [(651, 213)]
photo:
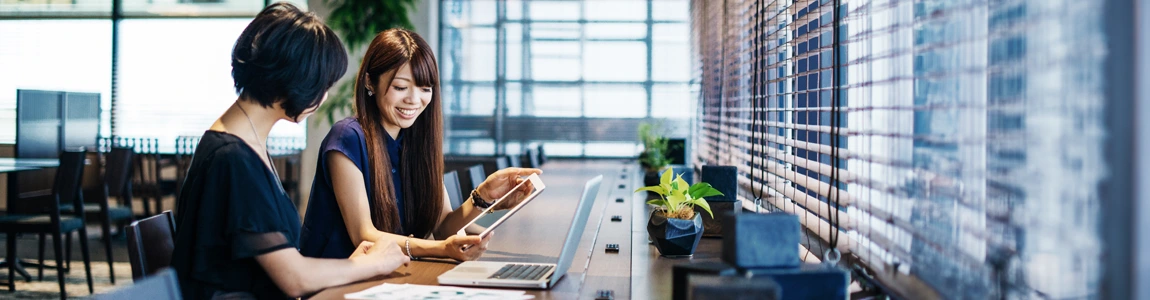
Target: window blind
[(955, 141)]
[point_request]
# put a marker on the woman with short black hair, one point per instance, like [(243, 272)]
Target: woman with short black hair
[(238, 231)]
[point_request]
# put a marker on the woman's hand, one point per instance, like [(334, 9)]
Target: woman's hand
[(502, 181), (465, 248), (361, 250), (384, 258)]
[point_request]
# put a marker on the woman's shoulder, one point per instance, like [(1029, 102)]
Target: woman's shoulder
[(224, 149), (345, 134), (349, 125)]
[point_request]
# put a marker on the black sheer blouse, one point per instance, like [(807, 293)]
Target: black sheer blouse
[(231, 209)]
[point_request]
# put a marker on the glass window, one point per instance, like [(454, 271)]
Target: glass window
[(616, 101), (175, 77), (553, 10), (470, 99), (616, 31), (616, 10), (670, 10), (672, 101), (564, 59), (76, 8), (558, 101), (615, 61), (55, 55), (198, 8)]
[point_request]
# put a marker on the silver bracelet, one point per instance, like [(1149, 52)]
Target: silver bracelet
[(407, 244)]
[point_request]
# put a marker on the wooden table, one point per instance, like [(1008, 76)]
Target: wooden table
[(31, 163), (9, 164), (536, 234)]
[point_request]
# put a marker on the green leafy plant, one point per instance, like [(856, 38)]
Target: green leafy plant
[(357, 22), (677, 199), (654, 156)]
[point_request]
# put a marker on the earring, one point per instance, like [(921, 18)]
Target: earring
[(369, 93)]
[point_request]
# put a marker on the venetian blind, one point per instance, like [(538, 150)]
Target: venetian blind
[(951, 140)]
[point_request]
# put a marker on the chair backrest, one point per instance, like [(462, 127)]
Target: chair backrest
[(515, 161), (150, 244), (118, 172), (477, 175), (542, 155), (454, 194), (145, 159), (161, 285), (502, 162), (531, 158), (69, 177)]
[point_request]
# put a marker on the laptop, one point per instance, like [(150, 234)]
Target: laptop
[(528, 275)]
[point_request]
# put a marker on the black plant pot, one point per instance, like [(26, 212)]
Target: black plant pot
[(651, 178), (675, 237)]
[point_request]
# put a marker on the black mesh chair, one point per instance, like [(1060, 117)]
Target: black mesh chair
[(48, 219), (150, 244), (477, 176), (454, 194)]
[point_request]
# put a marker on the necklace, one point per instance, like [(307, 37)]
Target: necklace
[(275, 173)]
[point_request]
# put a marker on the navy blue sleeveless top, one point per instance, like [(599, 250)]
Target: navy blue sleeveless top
[(324, 233)]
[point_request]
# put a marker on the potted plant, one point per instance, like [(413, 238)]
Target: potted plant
[(653, 159), (674, 226)]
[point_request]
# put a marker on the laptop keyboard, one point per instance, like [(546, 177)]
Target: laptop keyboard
[(522, 272)]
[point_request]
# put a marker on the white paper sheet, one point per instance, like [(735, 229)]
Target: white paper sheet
[(418, 291)]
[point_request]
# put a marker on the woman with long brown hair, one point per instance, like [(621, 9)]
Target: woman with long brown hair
[(379, 176)]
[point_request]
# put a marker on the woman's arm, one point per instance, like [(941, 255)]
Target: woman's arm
[(451, 220), (498, 184), (351, 195), (297, 275)]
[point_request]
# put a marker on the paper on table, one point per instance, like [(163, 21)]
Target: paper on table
[(418, 291)]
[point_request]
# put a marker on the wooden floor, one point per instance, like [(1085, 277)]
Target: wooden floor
[(75, 280)]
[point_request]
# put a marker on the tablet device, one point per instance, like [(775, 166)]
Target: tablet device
[(532, 186)]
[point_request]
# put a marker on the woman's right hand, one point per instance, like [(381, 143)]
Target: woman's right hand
[(383, 257), (465, 248)]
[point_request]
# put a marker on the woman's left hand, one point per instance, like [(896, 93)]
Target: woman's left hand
[(502, 181), (363, 248)]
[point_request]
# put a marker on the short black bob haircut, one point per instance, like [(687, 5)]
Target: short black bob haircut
[(287, 56)]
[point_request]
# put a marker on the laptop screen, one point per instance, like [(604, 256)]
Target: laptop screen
[(590, 192)]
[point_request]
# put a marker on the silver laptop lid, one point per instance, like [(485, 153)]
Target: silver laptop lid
[(590, 192)]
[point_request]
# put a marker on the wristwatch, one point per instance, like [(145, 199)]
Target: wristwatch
[(478, 200)]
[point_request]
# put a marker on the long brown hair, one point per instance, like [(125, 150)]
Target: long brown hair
[(422, 143)]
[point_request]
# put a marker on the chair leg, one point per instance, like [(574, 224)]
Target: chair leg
[(147, 204), (108, 246), (12, 261), (40, 265), (57, 242), (87, 257), (68, 252)]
